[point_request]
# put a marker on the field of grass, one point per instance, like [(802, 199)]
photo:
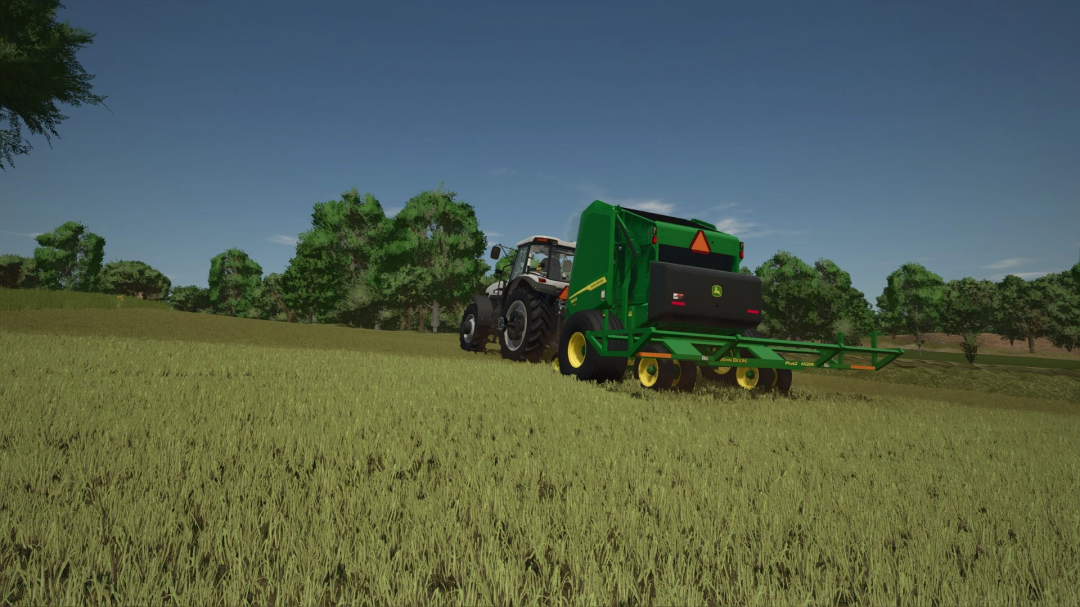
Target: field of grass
[(39, 299), (157, 456)]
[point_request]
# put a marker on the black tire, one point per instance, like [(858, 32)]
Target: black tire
[(655, 373), (586, 363), (766, 379), (529, 318), (783, 381), (685, 375), (471, 336), (615, 365), (724, 375)]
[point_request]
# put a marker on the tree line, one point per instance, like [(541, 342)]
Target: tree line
[(806, 302), (356, 266)]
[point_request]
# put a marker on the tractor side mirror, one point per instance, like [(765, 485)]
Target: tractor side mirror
[(566, 266), (495, 252)]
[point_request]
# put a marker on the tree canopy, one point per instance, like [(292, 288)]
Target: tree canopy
[(234, 278), (800, 301), (38, 69), (69, 257), (912, 300), (967, 311), (132, 278)]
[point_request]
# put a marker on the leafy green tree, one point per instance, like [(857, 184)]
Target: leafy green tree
[(190, 299), (434, 256), (1024, 308), (799, 301), (350, 234), (912, 300), (1063, 311), (745, 271), (234, 278), (1008, 323), (857, 319), (132, 278), (968, 311), (38, 68), (270, 304), (16, 271), (313, 282), (69, 258)]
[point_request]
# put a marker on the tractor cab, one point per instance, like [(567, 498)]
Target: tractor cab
[(543, 260)]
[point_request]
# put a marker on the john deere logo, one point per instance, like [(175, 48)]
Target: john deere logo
[(717, 291)]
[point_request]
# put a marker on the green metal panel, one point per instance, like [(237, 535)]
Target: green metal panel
[(593, 259)]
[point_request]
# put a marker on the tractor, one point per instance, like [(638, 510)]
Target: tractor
[(660, 295), (523, 310)]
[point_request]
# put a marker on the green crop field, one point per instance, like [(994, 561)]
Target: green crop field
[(38, 299), (150, 456)]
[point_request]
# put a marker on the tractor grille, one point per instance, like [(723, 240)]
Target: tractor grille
[(686, 257)]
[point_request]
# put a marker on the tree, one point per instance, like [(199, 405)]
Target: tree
[(234, 278), (270, 303), (69, 257), (1008, 323), (1023, 312), (912, 300), (350, 234), (968, 311), (17, 272), (799, 301), (1063, 312), (857, 318), (190, 299), (38, 68), (312, 283), (434, 255), (132, 278)]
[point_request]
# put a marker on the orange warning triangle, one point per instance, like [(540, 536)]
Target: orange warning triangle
[(700, 244)]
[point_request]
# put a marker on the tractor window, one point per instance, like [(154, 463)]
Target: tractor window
[(519, 262), (564, 261), (539, 257)]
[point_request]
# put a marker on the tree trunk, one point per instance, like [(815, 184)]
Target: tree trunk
[(918, 341), (1031, 342), (435, 317), (409, 318), (311, 317), (421, 316)]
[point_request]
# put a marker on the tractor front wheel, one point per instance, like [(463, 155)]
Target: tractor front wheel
[(471, 336)]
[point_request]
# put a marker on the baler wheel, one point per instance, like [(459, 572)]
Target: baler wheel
[(655, 373), (685, 376), (576, 357), (783, 380), (471, 336), (725, 375)]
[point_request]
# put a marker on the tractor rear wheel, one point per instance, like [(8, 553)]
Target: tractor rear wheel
[(529, 317), (577, 357), (472, 336)]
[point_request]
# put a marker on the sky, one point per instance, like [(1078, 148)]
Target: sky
[(869, 133)]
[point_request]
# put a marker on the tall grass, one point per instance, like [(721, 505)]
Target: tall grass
[(38, 299), (136, 471)]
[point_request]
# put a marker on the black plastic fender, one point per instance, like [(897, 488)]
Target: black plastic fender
[(483, 310)]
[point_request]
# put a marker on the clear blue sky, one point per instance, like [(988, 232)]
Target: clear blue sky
[(868, 133)]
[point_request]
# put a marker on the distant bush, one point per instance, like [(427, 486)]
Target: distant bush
[(190, 299), (37, 299)]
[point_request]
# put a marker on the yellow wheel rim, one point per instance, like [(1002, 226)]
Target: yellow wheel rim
[(555, 363), (648, 371), (678, 373), (575, 350), (747, 377), (721, 370)]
